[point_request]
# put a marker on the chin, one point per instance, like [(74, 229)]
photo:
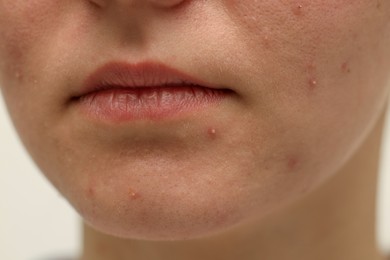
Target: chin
[(161, 216), (161, 202)]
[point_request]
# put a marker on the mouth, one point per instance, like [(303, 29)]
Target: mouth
[(119, 92)]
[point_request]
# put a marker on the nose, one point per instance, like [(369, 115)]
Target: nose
[(158, 3)]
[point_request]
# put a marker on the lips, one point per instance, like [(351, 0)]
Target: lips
[(120, 91)]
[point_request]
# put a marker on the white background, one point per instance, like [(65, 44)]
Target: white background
[(36, 222)]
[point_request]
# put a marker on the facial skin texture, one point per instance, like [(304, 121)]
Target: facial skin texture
[(310, 79)]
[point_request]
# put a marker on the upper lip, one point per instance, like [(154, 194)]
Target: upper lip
[(143, 74)]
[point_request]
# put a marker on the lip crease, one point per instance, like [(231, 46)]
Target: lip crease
[(119, 91)]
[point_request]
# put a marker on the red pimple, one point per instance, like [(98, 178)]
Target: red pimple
[(212, 133), (133, 194), (313, 84), (90, 192), (91, 188), (292, 164), (345, 67)]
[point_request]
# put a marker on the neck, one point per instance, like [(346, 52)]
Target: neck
[(336, 221)]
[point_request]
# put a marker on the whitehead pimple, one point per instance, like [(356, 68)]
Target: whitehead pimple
[(266, 38), (312, 84), (266, 41), (311, 70), (133, 194), (297, 9), (212, 133), (18, 75)]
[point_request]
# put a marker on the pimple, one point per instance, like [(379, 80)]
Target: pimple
[(90, 192), (345, 67), (311, 69), (297, 9), (292, 164), (133, 194), (266, 37), (212, 133), (266, 42), (313, 83), (91, 188), (18, 75)]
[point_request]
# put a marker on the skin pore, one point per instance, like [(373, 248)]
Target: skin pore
[(283, 168)]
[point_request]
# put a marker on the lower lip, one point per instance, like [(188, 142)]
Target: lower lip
[(149, 103)]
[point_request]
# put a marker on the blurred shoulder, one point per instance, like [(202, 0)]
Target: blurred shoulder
[(58, 258)]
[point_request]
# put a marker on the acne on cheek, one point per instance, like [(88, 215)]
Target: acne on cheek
[(298, 27), (345, 67), (292, 164), (288, 164), (211, 133), (133, 194)]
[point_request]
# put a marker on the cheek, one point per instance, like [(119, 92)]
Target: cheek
[(26, 28), (323, 67), (309, 40), (21, 25), (276, 24)]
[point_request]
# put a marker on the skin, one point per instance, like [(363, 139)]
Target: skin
[(279, 170)]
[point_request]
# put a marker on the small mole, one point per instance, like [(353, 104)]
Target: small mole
[(297, 10), (378, 4), (212, 133), (345, 67)]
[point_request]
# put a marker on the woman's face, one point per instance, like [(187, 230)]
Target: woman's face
[(308, 80)]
